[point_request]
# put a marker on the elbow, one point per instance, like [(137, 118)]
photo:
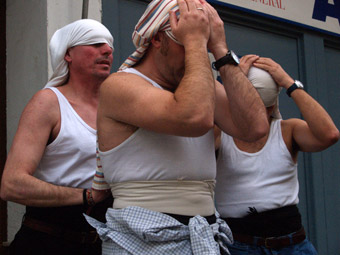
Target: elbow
[(333, 136), (205, 126), (257, 132), (4, 194), (261, 131), (200, 125), (9, 191)]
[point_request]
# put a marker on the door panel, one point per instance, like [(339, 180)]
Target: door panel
[(120, 17), (331, 157), (297, 51)]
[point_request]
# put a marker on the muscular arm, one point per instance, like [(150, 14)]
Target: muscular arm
[(240, 114), (188, 111), (195, 95), (317, 131), (18, 183)]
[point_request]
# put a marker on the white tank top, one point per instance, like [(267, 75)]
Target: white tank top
[(70, 160), (265, 180), (148, 155)]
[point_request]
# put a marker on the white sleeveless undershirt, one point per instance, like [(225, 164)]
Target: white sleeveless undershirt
[(265, 180), (70, 160), (148, 156), (164, 173)]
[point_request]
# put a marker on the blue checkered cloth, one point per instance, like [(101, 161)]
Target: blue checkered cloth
[(138, 231)]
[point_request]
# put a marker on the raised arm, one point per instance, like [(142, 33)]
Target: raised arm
[(38, 121), (317, 131), (239, 110), (186, 106)]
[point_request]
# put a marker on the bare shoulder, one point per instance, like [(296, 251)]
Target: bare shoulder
[(125, 94), (42, 107), (118, 94), (38, 121), (45, 96), (122, 80)]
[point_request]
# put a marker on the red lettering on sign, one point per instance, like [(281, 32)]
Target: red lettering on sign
[(274, 3)]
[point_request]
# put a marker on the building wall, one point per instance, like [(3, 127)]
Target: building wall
[(307, 55), (314, 60), (30, 25)]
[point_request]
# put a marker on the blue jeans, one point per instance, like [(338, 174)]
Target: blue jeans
[(303, 248)]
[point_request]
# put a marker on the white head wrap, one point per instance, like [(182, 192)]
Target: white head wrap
[(80, 32), (155, 18), (267, 88)]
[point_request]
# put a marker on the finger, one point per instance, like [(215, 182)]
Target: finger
[(210, 10), (262, 66), (173, 20), (182, 5), (268, 61), (248, 60), (191, 5), (244, 59), (251, 57)]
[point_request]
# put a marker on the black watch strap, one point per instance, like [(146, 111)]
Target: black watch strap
[(293, 87), (227, 59)]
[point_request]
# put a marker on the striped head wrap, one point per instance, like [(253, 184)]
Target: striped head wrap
[(155, 18)]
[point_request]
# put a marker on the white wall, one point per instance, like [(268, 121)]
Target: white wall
[(30, 24)]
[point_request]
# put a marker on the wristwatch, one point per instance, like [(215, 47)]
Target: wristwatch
[(296, 85), (229, 58)]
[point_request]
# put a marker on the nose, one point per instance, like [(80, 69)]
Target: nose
[(106, 49)]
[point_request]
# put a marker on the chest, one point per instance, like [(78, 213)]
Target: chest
[(88, 113), (251, 147)]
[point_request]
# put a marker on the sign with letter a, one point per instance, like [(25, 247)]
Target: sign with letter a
[(321, 15)]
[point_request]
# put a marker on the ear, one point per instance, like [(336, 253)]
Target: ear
[(156, 41), (68, 57)]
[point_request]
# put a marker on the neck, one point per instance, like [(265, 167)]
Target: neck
[(149, 67), (85, 90), (88, 84)]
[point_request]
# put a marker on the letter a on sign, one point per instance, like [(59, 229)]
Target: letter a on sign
[(322, 9)]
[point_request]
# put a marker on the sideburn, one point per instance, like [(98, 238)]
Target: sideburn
[(164, 45)]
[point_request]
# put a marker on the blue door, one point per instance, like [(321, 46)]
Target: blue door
[(307, 57)]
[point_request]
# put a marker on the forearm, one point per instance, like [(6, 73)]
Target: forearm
[(28, 190), (319, 122), (196, 91), (246, 107)]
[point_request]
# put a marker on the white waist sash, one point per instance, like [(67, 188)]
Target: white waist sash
[(174, 196)]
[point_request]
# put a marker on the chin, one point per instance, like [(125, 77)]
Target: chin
[(103, 76)]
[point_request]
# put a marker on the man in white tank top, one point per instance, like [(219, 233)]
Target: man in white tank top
[(52, 159), (257, 185), (155, 131)]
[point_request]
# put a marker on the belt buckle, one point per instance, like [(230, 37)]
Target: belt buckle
[(95, 239), (268, 246)]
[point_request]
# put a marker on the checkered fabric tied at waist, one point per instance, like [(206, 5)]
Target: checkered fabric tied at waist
[(135, 230)]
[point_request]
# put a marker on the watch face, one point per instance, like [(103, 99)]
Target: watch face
[(235, 57), (299, 84)]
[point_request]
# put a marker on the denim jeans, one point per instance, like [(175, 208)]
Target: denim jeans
[(303, 248)]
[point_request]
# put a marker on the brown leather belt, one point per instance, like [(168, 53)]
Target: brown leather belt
[(90, 237), (272, 242)]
